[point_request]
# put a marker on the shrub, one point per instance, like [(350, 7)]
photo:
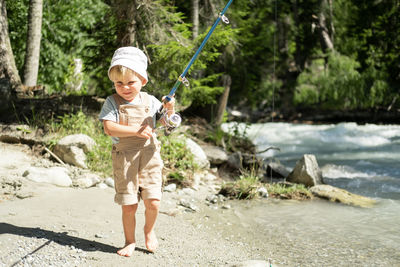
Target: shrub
[(178, 160)]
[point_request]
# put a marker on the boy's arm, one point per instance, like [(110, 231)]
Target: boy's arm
[(169, 108), (117, 130)]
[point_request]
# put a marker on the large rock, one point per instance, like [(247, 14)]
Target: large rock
[(87, 180), (335, 194), (55, 175), (200, 157), (275, 170), (235, 160), (82, 141), (306, 172), (215, 155), (72, 148)]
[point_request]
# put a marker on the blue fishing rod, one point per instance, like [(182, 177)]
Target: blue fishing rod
[(176, 120)]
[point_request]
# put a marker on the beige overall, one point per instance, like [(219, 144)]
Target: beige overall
[(137, 163)]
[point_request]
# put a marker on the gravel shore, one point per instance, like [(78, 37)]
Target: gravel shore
[(72, 227), (46, 225)]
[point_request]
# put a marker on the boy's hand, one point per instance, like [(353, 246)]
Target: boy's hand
[(170, 105), (145, 132)]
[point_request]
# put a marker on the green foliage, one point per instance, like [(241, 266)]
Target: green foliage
[(69, 30), (217, 136), (250, 59), (176, 55), (339, 85), (374, 42), (73, 80), (98, 160), (178, 160), (17, 14), (270, 56), (201, 94), (73, 123)]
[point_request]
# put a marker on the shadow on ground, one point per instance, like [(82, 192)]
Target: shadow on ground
[(61, 238)]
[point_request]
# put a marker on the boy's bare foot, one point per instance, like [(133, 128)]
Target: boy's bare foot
[(151, 241), (128, 250)]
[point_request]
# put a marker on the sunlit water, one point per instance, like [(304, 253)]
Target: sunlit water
[(363, 159)]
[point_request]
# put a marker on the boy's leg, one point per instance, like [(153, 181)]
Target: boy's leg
[(152, 207), (129, 224)]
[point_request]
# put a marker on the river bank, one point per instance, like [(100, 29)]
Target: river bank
[(49, 225), (46, 225), (315, 115)]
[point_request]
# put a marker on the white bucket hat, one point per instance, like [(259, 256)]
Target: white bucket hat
[(132, 58)]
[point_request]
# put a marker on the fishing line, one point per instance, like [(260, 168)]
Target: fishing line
[(274, 77)]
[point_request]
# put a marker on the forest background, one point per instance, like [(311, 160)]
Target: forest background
[(283, 55)]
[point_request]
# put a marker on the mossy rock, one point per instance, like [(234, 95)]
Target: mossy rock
[(335, 194)]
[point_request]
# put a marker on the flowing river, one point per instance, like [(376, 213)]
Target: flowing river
[(363, 159)]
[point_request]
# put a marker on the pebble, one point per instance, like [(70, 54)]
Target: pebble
[(212, 199), (226, 207), (99, 236), (188, 191), (109, 181), (187, 204), (262, 191), (102, 186), (170, 188)]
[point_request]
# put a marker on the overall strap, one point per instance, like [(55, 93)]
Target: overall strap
[(146, 102), (118, 100)]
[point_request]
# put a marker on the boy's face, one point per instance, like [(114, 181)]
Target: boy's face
[(128, 86)]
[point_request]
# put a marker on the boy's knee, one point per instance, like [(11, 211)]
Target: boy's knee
[(129, 208), (152, 204)]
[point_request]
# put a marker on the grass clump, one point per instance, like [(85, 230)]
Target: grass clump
[(178, 160), (245, 187), (248, 184), (288, 191)]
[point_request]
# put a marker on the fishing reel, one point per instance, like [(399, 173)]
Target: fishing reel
[(171, 122)]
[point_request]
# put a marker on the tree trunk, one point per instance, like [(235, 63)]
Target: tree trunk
[(32, 55), (332, 28), (223, 100), (325, 36), (125, 11), (9, 77), (195, 18)]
